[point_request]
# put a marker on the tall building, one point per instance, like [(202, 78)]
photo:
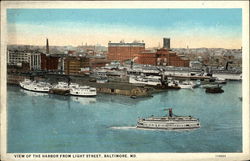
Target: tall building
[(19, 58), (124, 51), (49, 62), (163, 56)]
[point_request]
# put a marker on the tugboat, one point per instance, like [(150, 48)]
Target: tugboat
[(170, 122), (216, 89)]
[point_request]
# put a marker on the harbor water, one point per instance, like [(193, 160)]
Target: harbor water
[(39, 123)]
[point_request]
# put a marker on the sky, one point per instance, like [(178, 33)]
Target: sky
[(211, 28)]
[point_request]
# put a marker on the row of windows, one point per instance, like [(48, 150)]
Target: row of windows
[(164, 125)]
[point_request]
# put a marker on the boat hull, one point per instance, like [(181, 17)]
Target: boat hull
[(167, 128), (34, 90), (214, 90), (86, 95)]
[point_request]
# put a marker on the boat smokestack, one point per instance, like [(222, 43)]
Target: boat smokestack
[(170, 112)]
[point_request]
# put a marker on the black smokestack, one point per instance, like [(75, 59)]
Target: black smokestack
[(166, 43), (47, 46)]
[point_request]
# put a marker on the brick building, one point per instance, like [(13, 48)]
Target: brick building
[(49, 62), (95, 62), (146, 57), (163, 57), (124, 51), (136, 51), (74, 65), (170, 58)]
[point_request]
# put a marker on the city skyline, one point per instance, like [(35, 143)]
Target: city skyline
[(195, 28)]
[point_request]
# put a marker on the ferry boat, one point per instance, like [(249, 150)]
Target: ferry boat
[(77, 90), (169, 122), (74, 89), (34, 86)]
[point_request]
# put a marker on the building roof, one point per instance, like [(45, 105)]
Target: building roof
[(127, 44)]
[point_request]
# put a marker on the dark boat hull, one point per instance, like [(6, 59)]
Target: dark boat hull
[(214, 90)]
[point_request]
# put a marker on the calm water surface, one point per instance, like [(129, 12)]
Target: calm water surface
[(49, 123)]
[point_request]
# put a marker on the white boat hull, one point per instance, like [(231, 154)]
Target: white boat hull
[(85, 93), (77, 90), (168, 125), (186, 86), (34, 87)]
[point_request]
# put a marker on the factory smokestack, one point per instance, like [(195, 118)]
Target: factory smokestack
[(47, 46), (166, 43)]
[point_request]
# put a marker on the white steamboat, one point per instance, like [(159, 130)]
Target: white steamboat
[(35, 86), (75, 89), (170, 122)]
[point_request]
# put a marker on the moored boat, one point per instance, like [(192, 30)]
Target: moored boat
[(216, 89), (73, 89), (83, 91), (35, 86), (172, 84), (169, 122), (187, 84)]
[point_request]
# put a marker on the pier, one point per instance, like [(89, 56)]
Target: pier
[(115, 86)]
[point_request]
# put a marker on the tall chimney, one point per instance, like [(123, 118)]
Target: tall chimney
[(47, 46), (166, 43)]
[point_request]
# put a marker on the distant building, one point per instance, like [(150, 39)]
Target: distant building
[(170, 58), (19, 58), (124, 51), (146, 57), (136, 51), (95, 62), (73, 65), (49, 62), (195, 64), (162, 57), (32, 60)]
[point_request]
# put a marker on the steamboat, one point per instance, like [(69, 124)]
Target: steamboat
[(74, 89), (170, 122), (35, 86)]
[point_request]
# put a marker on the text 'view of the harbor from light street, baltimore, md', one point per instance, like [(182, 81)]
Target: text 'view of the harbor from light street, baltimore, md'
[(124, 80)]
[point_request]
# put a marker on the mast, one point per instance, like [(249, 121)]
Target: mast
[(170, 112)]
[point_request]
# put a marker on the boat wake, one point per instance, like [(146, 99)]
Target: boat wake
[(123, 127)]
